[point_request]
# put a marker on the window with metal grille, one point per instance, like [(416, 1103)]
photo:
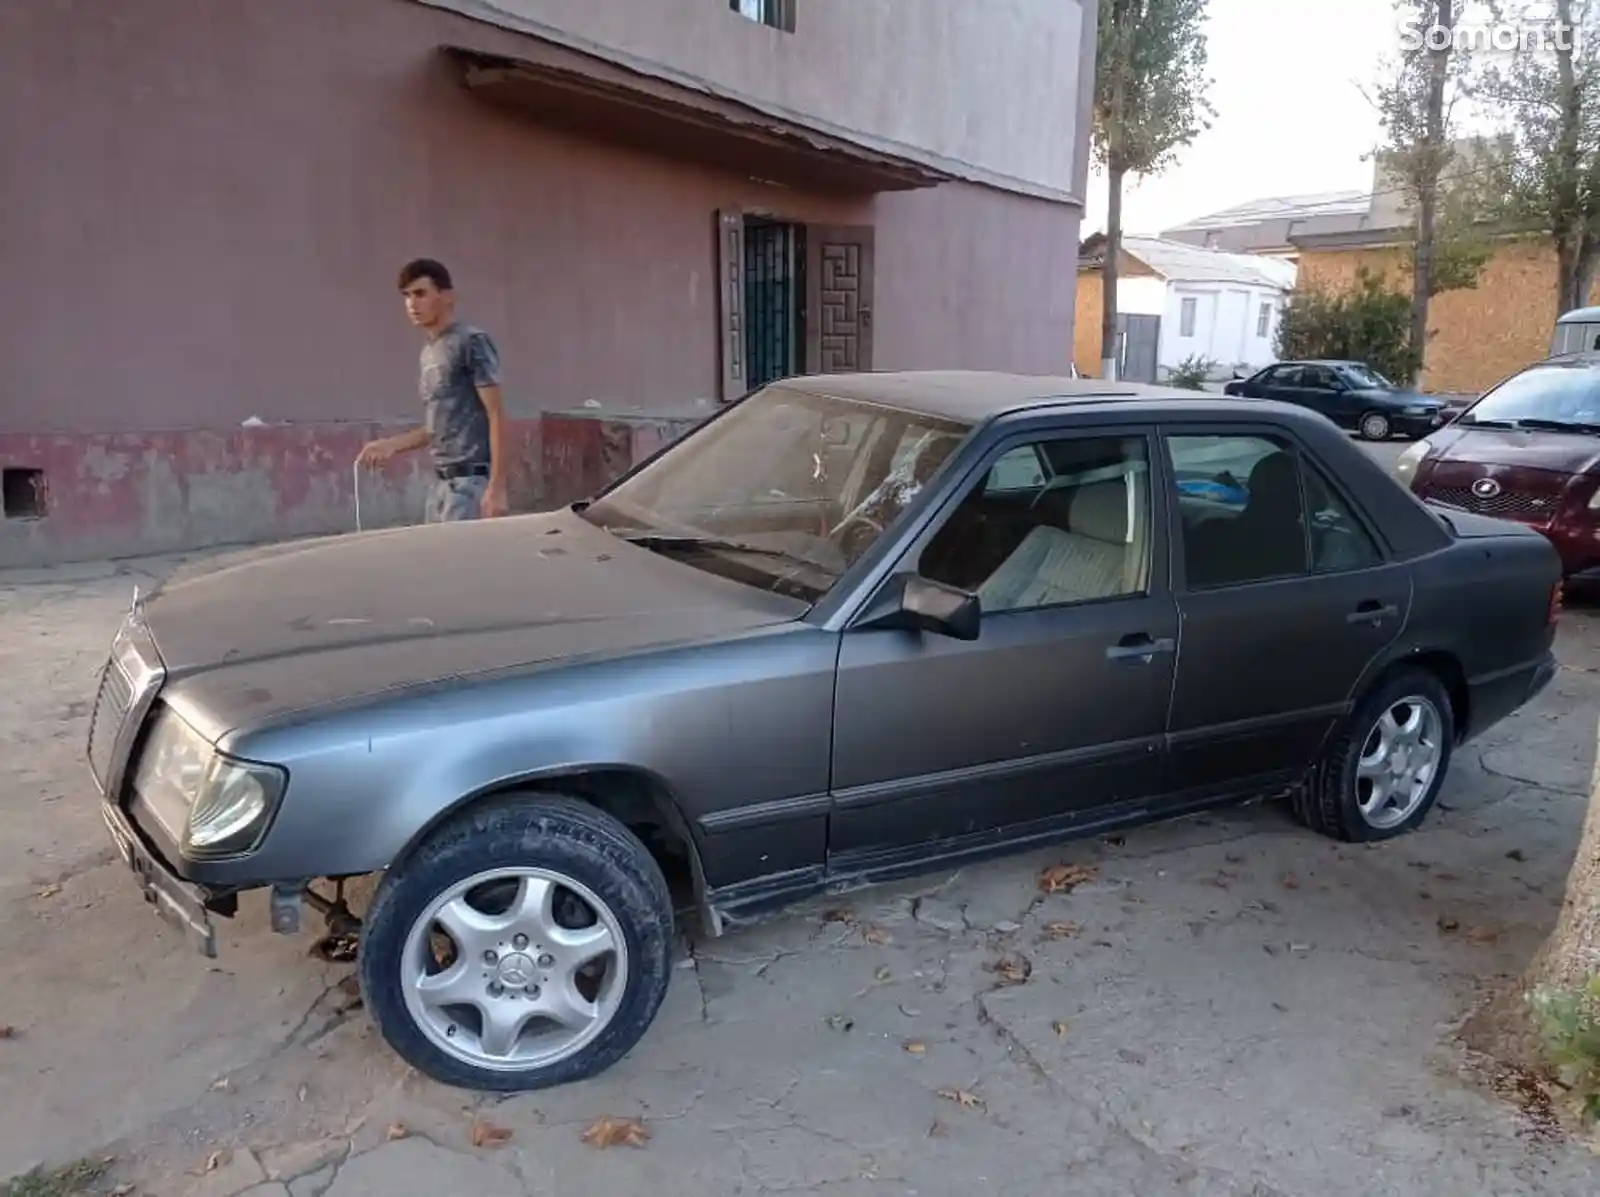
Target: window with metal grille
[(779, 14), (773, 257)]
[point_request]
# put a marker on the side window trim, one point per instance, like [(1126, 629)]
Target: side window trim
[(1159, 535), (1177, 570)]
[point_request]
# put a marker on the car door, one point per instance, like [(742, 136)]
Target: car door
[(1285, 596), (1281, 383), (1058, 708), (1317, 389)]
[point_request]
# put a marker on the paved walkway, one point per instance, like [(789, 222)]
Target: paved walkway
[(1228, 1005)]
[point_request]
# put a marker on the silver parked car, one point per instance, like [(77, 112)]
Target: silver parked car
[(848, 629)]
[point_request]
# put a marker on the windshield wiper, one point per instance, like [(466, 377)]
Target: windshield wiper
[(1478, 422), (1558, 425), (667, 542)]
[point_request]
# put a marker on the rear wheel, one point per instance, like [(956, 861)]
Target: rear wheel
[(1375, 426), (524, 945), (1382, 774)]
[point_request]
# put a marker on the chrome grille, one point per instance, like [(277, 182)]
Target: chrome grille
[(1508, 504), (111, 706)]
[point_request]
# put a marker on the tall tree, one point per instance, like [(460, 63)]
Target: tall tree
[(1149, 103), (1416, 104), (1550, 101)]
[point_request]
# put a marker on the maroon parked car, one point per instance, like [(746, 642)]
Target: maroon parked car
[(1529, 451)]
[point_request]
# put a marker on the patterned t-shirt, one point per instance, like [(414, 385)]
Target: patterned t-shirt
[(454, 365)]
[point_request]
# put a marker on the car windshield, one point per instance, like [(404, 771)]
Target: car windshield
[(1550, 395), (1366, 376), (785, 491)]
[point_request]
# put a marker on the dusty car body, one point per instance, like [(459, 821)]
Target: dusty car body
[(1528, 450), (850, 628)]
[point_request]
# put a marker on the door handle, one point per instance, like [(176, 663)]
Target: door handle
[(1372, 612), (1139, 647)]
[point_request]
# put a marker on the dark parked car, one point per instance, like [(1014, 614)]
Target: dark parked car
[(850, 628), (1528, 450), (1351, 394)]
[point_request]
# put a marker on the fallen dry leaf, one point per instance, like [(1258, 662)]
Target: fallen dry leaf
[(1446, 923), (49, 891), (1012, 970), (486, 1134), (875, 935), (967, 1101), (1062, 929), (396, 1132), (221, 1084), (1059, 1027), (1063, 878), (1290, 881), (7, 1032), (351, 986), (841, 914), (915, 1046), (610, 1132), (218, 1159), (937, 1130), (840, 1022), (122, 1190), (1483, 934), (882, 973)]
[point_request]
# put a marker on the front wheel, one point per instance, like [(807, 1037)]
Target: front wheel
[(1375, 426), (524, 945), (1381, 775)]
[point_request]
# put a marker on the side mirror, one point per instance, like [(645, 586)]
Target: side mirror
[(935, 607)]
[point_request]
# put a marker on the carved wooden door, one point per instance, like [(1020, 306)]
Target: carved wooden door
[(838, 314)]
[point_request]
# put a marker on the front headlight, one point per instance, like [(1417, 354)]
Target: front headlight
[(222, 804), (1405, 466)]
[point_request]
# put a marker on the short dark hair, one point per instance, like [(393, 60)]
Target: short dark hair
[(424, 268)]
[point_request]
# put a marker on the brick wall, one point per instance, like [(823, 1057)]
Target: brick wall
[(1479, 335)]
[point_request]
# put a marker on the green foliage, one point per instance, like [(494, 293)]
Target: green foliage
[(1549, 107), (1569, 1024), (1150, 82), (1369, 322), (1191, 373)]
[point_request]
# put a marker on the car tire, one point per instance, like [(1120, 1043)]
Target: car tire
[(1341, 800), (546, 853), (1375, 426)]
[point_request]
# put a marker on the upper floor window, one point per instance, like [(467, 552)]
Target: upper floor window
[(1264, 320), (777, 13), (1186, 315)]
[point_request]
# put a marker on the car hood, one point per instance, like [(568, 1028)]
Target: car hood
[(1559, 452), (291, 627)]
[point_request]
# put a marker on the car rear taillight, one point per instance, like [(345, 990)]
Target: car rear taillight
[(1555, 604)]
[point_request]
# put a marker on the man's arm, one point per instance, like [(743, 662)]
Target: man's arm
[(375, 453), (485, 363), (495, 501)]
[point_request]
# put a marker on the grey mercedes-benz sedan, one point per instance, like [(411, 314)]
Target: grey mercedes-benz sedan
[(849, 628)]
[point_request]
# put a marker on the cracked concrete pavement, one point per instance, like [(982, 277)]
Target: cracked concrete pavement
[(1227, 1006)]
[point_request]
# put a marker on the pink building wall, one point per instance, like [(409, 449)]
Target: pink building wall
[(205, 209)]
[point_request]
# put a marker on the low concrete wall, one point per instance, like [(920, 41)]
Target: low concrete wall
[(128, 494)]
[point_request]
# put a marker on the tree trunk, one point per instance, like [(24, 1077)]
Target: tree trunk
[(1432, 163), (1568, 210), (1109, 275)]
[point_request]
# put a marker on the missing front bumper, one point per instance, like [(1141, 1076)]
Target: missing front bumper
[(177, 901)]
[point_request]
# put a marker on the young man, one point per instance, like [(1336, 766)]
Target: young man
[(464, 418)]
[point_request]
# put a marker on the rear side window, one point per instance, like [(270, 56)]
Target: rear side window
[(1253, 510)]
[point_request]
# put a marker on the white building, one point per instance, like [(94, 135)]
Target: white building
[(1178, 302)]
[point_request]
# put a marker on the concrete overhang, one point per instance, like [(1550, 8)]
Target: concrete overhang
[(567, 89)]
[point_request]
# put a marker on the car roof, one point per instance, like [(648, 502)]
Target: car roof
[(1581, 357), (1579, 316), (973, 396)]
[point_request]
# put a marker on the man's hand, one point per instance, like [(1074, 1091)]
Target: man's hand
[(495, 500), (377, 453)]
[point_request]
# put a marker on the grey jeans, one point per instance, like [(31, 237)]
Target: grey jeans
[(456, 499)]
